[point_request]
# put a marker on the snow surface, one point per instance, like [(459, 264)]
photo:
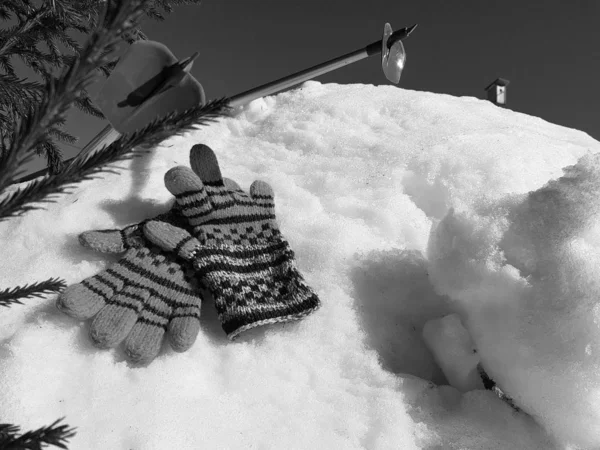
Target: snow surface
[(402, 207)]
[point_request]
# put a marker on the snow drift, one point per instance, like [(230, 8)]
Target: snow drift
[(402, 207)]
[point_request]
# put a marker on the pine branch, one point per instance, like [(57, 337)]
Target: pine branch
[(52, 46), (21, 8), (46, 30), (54, 157), (52, 26), (12, 295), (134, 35), (61, 92), (85, 104), (35, 59), (22, 30), (69, 42), (62, 135), (54, 434), (6, 429), (10, 85), (153, 13), (107, 68), (17, 203), (7, 66), (17, 94)]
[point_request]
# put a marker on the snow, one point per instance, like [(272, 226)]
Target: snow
[(404, 209), (454, 351)]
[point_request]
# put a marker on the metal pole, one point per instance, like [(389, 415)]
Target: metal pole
[(106, 137), (297, 78), (319, 69)]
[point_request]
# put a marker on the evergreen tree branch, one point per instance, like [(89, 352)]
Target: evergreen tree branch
[(107, 68), (22, 30), (21, 8), (61, 92), (85, 104), (62, 136), (18, 202), (36, 59), (17, 94), (49, 25), (69, 42), (53, 157), (7, 66), (12, 295), (13, 85), (55, 434), (153, 13)]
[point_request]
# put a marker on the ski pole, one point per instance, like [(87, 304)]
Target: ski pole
[(319, 69)]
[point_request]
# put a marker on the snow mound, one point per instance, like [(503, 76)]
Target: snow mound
[(402, 207)]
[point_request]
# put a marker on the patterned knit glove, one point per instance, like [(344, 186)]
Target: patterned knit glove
[(138, 298), (238, 251)]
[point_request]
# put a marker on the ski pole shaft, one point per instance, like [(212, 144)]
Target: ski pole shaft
[(315, 71), (296, 78), (106, 137)]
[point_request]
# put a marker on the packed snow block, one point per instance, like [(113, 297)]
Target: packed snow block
[(524, 270), (453, 350)]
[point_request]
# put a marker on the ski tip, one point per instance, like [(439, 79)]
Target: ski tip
[(187, 62), (411, 29)]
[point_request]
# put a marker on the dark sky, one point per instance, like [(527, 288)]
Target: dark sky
[(549, 50)]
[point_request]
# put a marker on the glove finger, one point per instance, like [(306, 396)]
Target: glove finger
[(118, 241), (190, 193), (184, 317), (183, 330), (171, 239), (262, 190), (236, 192), (263, 196), (145, 338), (203, 162), (114, 322), (231, 185), (84, 300), (172, 289), (143, 342), (105, 241)]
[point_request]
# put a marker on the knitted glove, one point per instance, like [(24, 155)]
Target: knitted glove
[(237, 249), (138, 298)]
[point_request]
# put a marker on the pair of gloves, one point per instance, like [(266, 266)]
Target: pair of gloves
[(215, 236)]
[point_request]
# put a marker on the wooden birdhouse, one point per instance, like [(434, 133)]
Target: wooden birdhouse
[(496, 91)]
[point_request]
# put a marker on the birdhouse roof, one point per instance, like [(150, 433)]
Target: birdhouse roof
[(498, 82)]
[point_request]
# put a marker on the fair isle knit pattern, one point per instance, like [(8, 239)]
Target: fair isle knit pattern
[(139, 298), (238, 251)]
